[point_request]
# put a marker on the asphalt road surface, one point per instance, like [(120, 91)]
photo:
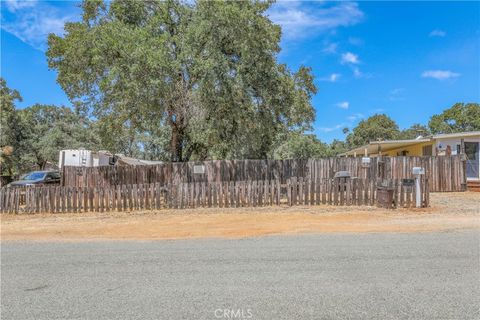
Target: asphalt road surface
[(340, 276)]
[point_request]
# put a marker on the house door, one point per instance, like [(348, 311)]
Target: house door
[(473, 163)]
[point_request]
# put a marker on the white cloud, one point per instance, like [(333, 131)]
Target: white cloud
[(14, 5), (343, 105), (356, 116), (346, 124), (31, 22), (396, 94), (440, 74), (437, 33), (334, 128), (298, 18), (353, 60), (332, 78), (330, 48), (349, 58), (357, 73)]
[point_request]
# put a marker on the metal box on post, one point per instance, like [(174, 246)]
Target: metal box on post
[(417, 172), (342, 177)]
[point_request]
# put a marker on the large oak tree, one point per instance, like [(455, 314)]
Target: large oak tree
[(199, 79)]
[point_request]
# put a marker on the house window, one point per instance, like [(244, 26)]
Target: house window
[(427, 150)]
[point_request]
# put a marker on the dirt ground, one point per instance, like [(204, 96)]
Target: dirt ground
[(448, 211)]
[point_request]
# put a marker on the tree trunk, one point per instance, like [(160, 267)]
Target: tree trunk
[(41, 164), (176, 143)]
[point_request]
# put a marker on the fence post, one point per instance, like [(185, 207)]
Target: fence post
[(289, 192), (463, 158), (427, 193)]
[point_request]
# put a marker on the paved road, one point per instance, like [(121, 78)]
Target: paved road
[(359, 276)]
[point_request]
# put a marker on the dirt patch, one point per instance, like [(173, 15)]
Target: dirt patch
[(449, 211), (456, 202)]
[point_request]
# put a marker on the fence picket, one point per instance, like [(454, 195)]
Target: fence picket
[(223, 194)]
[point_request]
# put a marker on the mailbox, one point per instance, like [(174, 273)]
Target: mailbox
[(342, 174), (365, 162), (418, 171)]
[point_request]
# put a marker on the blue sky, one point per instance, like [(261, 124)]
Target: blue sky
[(406, 59)]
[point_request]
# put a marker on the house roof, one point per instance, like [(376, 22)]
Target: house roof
[(456, 135), (373, 146), (122, 160)]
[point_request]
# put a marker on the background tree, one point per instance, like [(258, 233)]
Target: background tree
[(414, 131), (217, 89), (301, 146), (460, 117), (47, 129), (337, 147), (10, 130), (376, 127)]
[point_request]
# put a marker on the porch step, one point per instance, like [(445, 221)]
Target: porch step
[(473, 185)]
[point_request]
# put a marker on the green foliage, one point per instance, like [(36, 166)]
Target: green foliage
[(182, 80), (376, 127), (47, 129), (414, 131), (10, 130), (301, 146), (337, 147), (460, 117)]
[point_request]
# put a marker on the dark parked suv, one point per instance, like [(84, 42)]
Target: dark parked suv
[(37, 178)]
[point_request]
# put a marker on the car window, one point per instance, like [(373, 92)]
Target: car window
[(53, 175), (34, 176)]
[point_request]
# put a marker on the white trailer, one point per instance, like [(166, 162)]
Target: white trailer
[(84, 158)]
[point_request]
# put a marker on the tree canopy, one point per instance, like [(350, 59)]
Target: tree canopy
[(376, 127), (414, 131), (183, 77), (33, 136), (301, 146), (459, 118), (11, 131), (47, 129)]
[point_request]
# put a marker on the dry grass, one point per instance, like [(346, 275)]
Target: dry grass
[(449, 211)]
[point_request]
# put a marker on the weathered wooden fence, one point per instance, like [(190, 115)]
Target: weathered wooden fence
[(443, 173), (253, 193)]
